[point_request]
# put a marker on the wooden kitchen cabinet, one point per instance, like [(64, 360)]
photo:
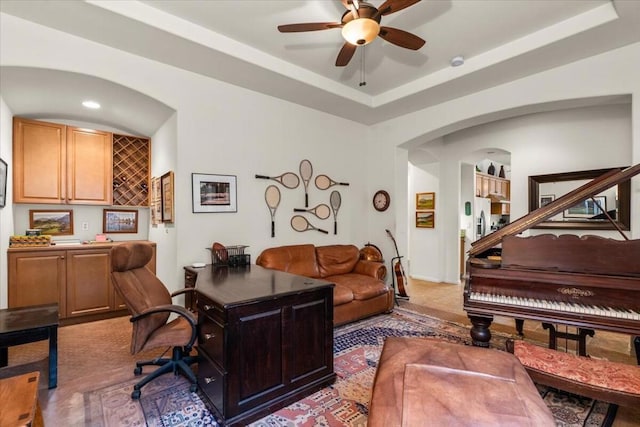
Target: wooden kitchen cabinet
[(58, 164), (487, 185), (89, 289), (78, 278), (37, 277)]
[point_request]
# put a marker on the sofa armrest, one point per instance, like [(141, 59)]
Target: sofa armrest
[(371, 268)]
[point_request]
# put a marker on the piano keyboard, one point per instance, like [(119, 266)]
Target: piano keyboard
[(556, 306)]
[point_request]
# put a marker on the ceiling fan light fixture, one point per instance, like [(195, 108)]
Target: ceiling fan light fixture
[(360, 31)]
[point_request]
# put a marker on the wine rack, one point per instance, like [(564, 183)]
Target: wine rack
[(131, 167)]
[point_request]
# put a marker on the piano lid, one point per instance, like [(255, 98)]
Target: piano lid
[(599, 184)]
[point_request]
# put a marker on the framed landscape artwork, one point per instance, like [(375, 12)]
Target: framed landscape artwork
[(213, 193), (425, 201), (425, 219), (52, 222), (119, 221)]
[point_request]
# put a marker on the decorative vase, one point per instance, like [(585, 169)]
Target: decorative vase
[(501, 174), (491, 170)]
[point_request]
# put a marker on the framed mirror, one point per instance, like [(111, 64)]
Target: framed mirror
[(589, 214)]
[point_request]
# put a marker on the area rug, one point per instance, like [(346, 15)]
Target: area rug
[(167, 402)]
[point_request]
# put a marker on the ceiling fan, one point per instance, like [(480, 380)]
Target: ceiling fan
[(361, 25)]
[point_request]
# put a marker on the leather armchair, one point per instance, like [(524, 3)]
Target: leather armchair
[(150, 305)]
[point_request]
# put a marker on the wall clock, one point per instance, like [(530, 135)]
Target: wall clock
[(381, 200)]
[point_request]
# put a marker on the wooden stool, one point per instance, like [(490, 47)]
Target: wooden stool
[(19, 397), (422, 381)]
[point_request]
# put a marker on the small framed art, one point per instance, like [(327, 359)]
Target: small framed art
[(3, 183), (425, 219), (166, 189), (587, 208), (425, 201), (545, 199), (214, 193), (119, 221), (52, 222)]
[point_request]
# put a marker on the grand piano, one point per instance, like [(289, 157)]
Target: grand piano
[(588, 282)]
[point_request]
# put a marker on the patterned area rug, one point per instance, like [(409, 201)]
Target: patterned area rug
[(167, 402)]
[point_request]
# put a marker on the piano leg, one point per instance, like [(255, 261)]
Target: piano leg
[(480, 333), (636, 344), (520, 326)]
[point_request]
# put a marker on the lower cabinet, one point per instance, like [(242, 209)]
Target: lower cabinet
[(78, 279)]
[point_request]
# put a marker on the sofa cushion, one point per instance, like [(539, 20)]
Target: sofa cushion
[(336, 259), (295, 259), (362, 287), (342, 295)]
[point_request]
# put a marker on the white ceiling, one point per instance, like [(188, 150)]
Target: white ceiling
[(237, 41)]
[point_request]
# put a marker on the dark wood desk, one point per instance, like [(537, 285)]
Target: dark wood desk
[(29, 324), (265, 339)]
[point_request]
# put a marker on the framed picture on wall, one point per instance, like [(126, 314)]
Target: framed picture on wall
[(166, 190), (425, 201), (53, 222), (425, 219), (213, 193), (119, 221), (3, 183), (587, 208), (545, 199)]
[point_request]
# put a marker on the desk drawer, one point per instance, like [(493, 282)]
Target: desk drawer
[(211, 339), (211, 382)]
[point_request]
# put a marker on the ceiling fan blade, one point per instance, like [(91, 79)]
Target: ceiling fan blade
[(345, 55), (311, 26), (401, 38), (391, 6)]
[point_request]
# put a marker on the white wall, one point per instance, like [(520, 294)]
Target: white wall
[(223, 129), (425, 253), (6, 214), (561, 141)]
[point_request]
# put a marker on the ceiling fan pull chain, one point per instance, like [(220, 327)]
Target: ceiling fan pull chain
[(362, 70)]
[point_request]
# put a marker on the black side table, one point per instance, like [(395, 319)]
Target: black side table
[(23, 325)]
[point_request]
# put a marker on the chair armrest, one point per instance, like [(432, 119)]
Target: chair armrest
[(183, 291), (172, 308), (371, 268)]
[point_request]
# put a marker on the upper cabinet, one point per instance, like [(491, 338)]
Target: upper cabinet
[(131, 170), (489, 185), (60, 164)]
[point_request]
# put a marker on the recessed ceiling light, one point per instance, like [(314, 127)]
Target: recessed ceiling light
[(457, 61), (91, 104)]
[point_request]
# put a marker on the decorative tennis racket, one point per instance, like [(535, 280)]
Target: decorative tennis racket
[(322, 211), (306, 172), (300, 223), (323, 182), (335, 201), (288, 179), (272, 197)]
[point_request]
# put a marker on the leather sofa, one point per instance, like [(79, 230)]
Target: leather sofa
[(359, 290)]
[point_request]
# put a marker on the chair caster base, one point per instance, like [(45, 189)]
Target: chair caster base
[(137, 370), (193, 388), (135, 395)]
